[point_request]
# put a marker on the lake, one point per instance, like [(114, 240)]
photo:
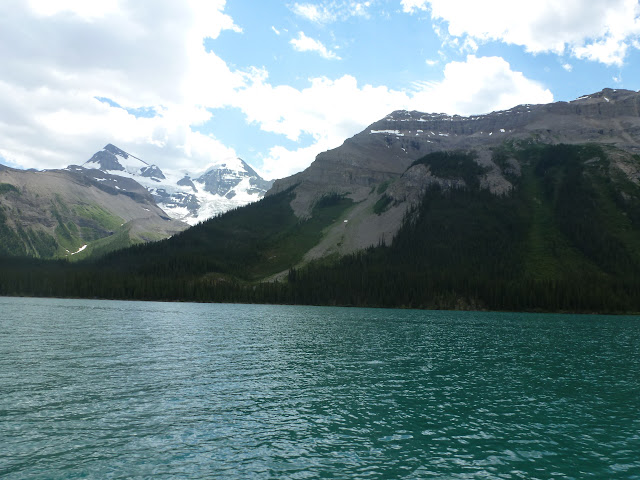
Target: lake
[(106, 389)]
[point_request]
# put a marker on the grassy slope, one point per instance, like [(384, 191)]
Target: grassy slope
[(72, 227), (16, 240)]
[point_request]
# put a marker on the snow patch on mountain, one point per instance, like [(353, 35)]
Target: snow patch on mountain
[(224, 185)]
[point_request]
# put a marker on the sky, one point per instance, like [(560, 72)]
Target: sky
[(186, 84)]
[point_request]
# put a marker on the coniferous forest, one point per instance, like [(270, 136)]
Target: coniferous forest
[(566, 238)]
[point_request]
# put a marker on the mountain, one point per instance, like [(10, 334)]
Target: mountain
[(113, 200), (67, 213), (377, 163), (385, 149), (458, 213), (223, 186)]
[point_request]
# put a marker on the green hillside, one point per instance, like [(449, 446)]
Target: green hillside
[(62, 230), (65, 214), (566, 238)]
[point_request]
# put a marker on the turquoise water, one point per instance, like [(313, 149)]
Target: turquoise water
[(95, 389)]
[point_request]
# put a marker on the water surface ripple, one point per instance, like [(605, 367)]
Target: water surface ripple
[(93, 389)]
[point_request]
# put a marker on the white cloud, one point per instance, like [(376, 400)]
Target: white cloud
[(598, 30), (59, 56), (275, 30), (359, 9), (611, 50), (331, 11), (313, 13), (308, 44), (479, 85), (57, 61), (82, 8), (567, 66)]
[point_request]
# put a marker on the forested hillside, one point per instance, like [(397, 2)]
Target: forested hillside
[(565, 238)]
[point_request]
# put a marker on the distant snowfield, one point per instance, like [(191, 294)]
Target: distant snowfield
[(175, 199), (210, 205)]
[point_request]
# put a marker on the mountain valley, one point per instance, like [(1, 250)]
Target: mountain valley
[(537, 207)]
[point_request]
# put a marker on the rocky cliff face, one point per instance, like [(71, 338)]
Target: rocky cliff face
[(387, 147), (383, 153)]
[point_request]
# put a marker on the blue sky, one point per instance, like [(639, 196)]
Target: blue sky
[(188, 84)]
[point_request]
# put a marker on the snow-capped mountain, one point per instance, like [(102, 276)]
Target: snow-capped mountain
[(183, 196)]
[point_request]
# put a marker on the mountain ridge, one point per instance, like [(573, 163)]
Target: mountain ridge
[(522, 221), (386, 147), (384, 152)]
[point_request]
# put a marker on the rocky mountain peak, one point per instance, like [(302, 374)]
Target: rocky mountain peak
[(225, 185), (114, 159), (223, 179), (606, 95), (115, 150), (104, 160)]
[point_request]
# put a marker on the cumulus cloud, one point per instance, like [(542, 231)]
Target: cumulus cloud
[(58, 57), (479, 85), (598, 30), (307, 44)]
